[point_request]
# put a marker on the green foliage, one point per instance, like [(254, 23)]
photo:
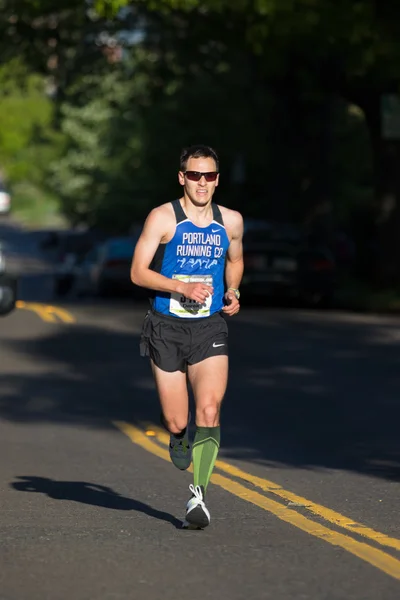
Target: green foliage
[(251, 78), (37, 30), (96, 177), (358, 36), (109, 8), (125, 126), (25, 112), (35, 206), (27, 140), (352, 161)]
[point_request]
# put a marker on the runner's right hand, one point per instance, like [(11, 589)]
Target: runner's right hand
[(197, 291)]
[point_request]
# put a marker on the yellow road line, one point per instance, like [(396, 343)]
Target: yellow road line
[(273, 488), (62, 314), (38, 309), (379, 559), (47, 312)]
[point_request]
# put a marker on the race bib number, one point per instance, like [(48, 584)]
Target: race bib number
[(185, 307)]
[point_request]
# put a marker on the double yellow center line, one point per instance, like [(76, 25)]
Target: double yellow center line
[(153, 439), (47, 312)]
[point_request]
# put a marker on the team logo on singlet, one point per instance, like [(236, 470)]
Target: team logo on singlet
[(199, 249)]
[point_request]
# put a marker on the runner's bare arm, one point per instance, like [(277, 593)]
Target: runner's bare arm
[(154, 230), (234, 258)]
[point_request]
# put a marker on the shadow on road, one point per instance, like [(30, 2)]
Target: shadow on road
[(305, 390), (89, 493)]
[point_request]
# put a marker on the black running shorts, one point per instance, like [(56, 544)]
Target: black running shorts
[(173, 343)]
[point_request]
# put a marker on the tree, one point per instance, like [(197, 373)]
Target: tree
[(125, 125), (274, 72), (351, 49), (28, 141)]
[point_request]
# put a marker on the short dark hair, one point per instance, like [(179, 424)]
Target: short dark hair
[(197, 151)]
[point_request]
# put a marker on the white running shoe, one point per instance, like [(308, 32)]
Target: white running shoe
[(197, 514), (180, 449)]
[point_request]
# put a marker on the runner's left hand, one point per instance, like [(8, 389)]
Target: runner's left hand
[(232, 306)]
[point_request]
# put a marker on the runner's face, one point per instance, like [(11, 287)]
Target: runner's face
[(199, 192)]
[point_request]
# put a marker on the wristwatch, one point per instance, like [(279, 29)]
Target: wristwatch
[(235, 291)]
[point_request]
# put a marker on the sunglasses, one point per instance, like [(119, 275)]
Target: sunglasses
[(196, 175)]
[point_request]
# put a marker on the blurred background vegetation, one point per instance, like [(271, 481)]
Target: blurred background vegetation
[(298, 97)]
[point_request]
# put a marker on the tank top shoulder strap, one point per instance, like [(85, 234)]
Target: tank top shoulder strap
[(217, 216), (178, 210)]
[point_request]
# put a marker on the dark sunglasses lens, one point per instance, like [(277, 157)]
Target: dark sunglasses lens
[(196, 175), (210, 176), (193, 175)]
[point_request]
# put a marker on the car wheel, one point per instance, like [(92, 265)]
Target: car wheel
[(8, 294)]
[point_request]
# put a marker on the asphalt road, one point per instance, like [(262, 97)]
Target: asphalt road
[(304, 502)]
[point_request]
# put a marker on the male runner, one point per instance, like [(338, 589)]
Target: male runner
[(190, 255)]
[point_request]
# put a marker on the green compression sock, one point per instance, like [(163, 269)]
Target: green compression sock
[(205, 451)]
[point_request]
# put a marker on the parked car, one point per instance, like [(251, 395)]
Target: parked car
[(60, 245), (8, 286), (5, 200), (105, 270), (277, 265), (66, 249)]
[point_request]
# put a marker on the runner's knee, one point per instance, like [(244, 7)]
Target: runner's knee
[(208, 415), (175, 424)]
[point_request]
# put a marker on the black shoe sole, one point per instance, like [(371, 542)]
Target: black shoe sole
[(197, 518)]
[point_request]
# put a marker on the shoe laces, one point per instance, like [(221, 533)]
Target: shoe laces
[(179, 446), (197, 493)]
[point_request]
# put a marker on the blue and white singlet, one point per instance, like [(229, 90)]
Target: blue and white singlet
[(194, 254)]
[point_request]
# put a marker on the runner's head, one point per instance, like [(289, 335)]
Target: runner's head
[(199, 173)]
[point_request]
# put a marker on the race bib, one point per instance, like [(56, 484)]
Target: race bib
[(184, 307)]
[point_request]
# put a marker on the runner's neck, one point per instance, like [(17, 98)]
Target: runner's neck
[(199, 215)]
